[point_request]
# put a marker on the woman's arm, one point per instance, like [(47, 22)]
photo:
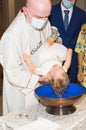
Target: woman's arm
[(80, 67)]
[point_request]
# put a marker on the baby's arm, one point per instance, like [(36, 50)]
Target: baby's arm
[(67, 63), (37, 70), (27, 59)]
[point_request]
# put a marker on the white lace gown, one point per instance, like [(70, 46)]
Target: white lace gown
[(47, 56)]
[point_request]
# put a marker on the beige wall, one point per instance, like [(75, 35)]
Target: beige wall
[(10, 9), (55, 1), (81, 4), (18, 5)]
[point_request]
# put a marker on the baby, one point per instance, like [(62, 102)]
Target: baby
[(52, 68)]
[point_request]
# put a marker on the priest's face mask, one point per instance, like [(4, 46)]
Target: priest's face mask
[(36, 21)]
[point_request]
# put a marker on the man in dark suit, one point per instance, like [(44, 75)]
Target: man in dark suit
[(76, 18)]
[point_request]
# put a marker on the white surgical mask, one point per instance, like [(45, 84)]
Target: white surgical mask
[(67, 3), (38, 23)]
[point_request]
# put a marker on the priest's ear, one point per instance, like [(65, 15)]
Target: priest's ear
[(24, 10)]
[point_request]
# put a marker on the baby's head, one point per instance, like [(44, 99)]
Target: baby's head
[(59, 79), (54, 36), (60, 83)]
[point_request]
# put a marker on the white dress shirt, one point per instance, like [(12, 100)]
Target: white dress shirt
[(70, 12)]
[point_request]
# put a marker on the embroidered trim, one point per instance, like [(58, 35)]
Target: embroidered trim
[(36, 48)]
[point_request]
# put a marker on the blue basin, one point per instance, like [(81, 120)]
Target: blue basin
[(62, 105), (72, 91)]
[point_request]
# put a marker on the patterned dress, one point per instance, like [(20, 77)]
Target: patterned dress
[(81, 48)]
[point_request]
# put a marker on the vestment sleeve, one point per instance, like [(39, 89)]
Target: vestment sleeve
[(14, 66)]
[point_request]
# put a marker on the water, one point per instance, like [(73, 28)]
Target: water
[(71, 91)]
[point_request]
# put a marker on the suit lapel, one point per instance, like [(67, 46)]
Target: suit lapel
[(60, 19)]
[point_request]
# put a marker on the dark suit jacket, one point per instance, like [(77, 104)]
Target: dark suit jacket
[(69, 38)]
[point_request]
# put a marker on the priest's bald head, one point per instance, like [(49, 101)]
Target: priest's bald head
[(41, 8), (38, 11)]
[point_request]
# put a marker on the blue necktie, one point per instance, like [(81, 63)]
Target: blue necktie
[(66, 19)]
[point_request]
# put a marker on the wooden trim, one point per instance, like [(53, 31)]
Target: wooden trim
[(8, 12), (11, 9)]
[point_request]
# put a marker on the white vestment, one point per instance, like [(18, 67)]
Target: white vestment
[(17, 77)]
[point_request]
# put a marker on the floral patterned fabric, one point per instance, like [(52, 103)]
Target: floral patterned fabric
[(81, 48)]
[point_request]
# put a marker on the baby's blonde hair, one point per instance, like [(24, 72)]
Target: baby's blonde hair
[(59, 85)]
